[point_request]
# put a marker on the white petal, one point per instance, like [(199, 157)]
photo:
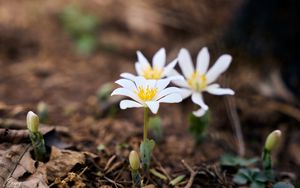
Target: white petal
[(128, 84), (162, 84), (203, 61), (199, 112), (150, 83), (180, 83), (198, 99), (185, 63), (153, 106), (159, 59), (172, 98), (179, 77), (142, 82), (129, 104), (128, 76), (142, 59), (218, 68), (219, 91), (167, 70), (139, 81), (138, 68), (185, 93), (167, 91), (213, 86), (125, 92)]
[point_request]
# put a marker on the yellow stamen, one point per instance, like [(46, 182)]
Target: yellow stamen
[(146, 94), (152, 73), (197, 81)]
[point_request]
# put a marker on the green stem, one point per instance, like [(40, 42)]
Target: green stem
[(266, 160), (38, 145), (146, 122), (136, 178)]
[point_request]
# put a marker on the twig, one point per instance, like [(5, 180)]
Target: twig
[(113, 182), (80, 174), (110, 160), (235, 121), (15, 164), (193, 174), (162, 168)]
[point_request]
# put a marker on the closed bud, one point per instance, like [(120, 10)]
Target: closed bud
[(32, 122), (273, 140), (134, 160)]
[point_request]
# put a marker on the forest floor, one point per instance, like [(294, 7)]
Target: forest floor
[(90, 147)]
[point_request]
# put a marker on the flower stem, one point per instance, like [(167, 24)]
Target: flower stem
[(146, 122)]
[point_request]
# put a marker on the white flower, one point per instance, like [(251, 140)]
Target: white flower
[(158, 69), (146, 93), (201, 79)]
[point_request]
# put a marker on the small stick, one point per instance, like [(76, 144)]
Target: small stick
[(193, 174), (113, 182), (110, 160), (80, 174), (235, 121), (162, 168)]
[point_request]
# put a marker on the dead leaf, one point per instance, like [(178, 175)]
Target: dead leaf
[(62, 161), (18, 136), (18, 169)]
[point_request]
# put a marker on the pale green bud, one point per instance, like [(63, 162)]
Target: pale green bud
[(273, 140), (134, 160), (33, 122)]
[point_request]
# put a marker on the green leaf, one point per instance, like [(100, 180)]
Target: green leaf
[(104, 91), (155, 126), (260, 177), (86, 44), (177, 180), (81, 26), (198, 126), (146, 148), (283, 185), (246, 172), (240, 179), (236, 161), (257, 185)]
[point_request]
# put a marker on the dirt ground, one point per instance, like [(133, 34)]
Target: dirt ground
[(38, 63)]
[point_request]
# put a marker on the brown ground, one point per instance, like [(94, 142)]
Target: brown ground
[(37, 63)]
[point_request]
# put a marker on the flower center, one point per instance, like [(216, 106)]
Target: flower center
[(146, 94), (197, 81), (152, 73)]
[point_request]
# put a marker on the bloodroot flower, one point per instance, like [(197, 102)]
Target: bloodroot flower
[(147, 93), (158, 69), (201, 79)]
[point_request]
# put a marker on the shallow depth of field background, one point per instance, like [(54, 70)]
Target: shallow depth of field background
[(61, 52)]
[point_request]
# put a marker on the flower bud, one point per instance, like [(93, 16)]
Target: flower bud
[(32, 122), (42, 109), (134, 160), (273, 140)]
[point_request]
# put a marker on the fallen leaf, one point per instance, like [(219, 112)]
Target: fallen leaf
[(18, 169), (62, 161)]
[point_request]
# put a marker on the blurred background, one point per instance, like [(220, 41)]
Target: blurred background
[(61, 52)]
